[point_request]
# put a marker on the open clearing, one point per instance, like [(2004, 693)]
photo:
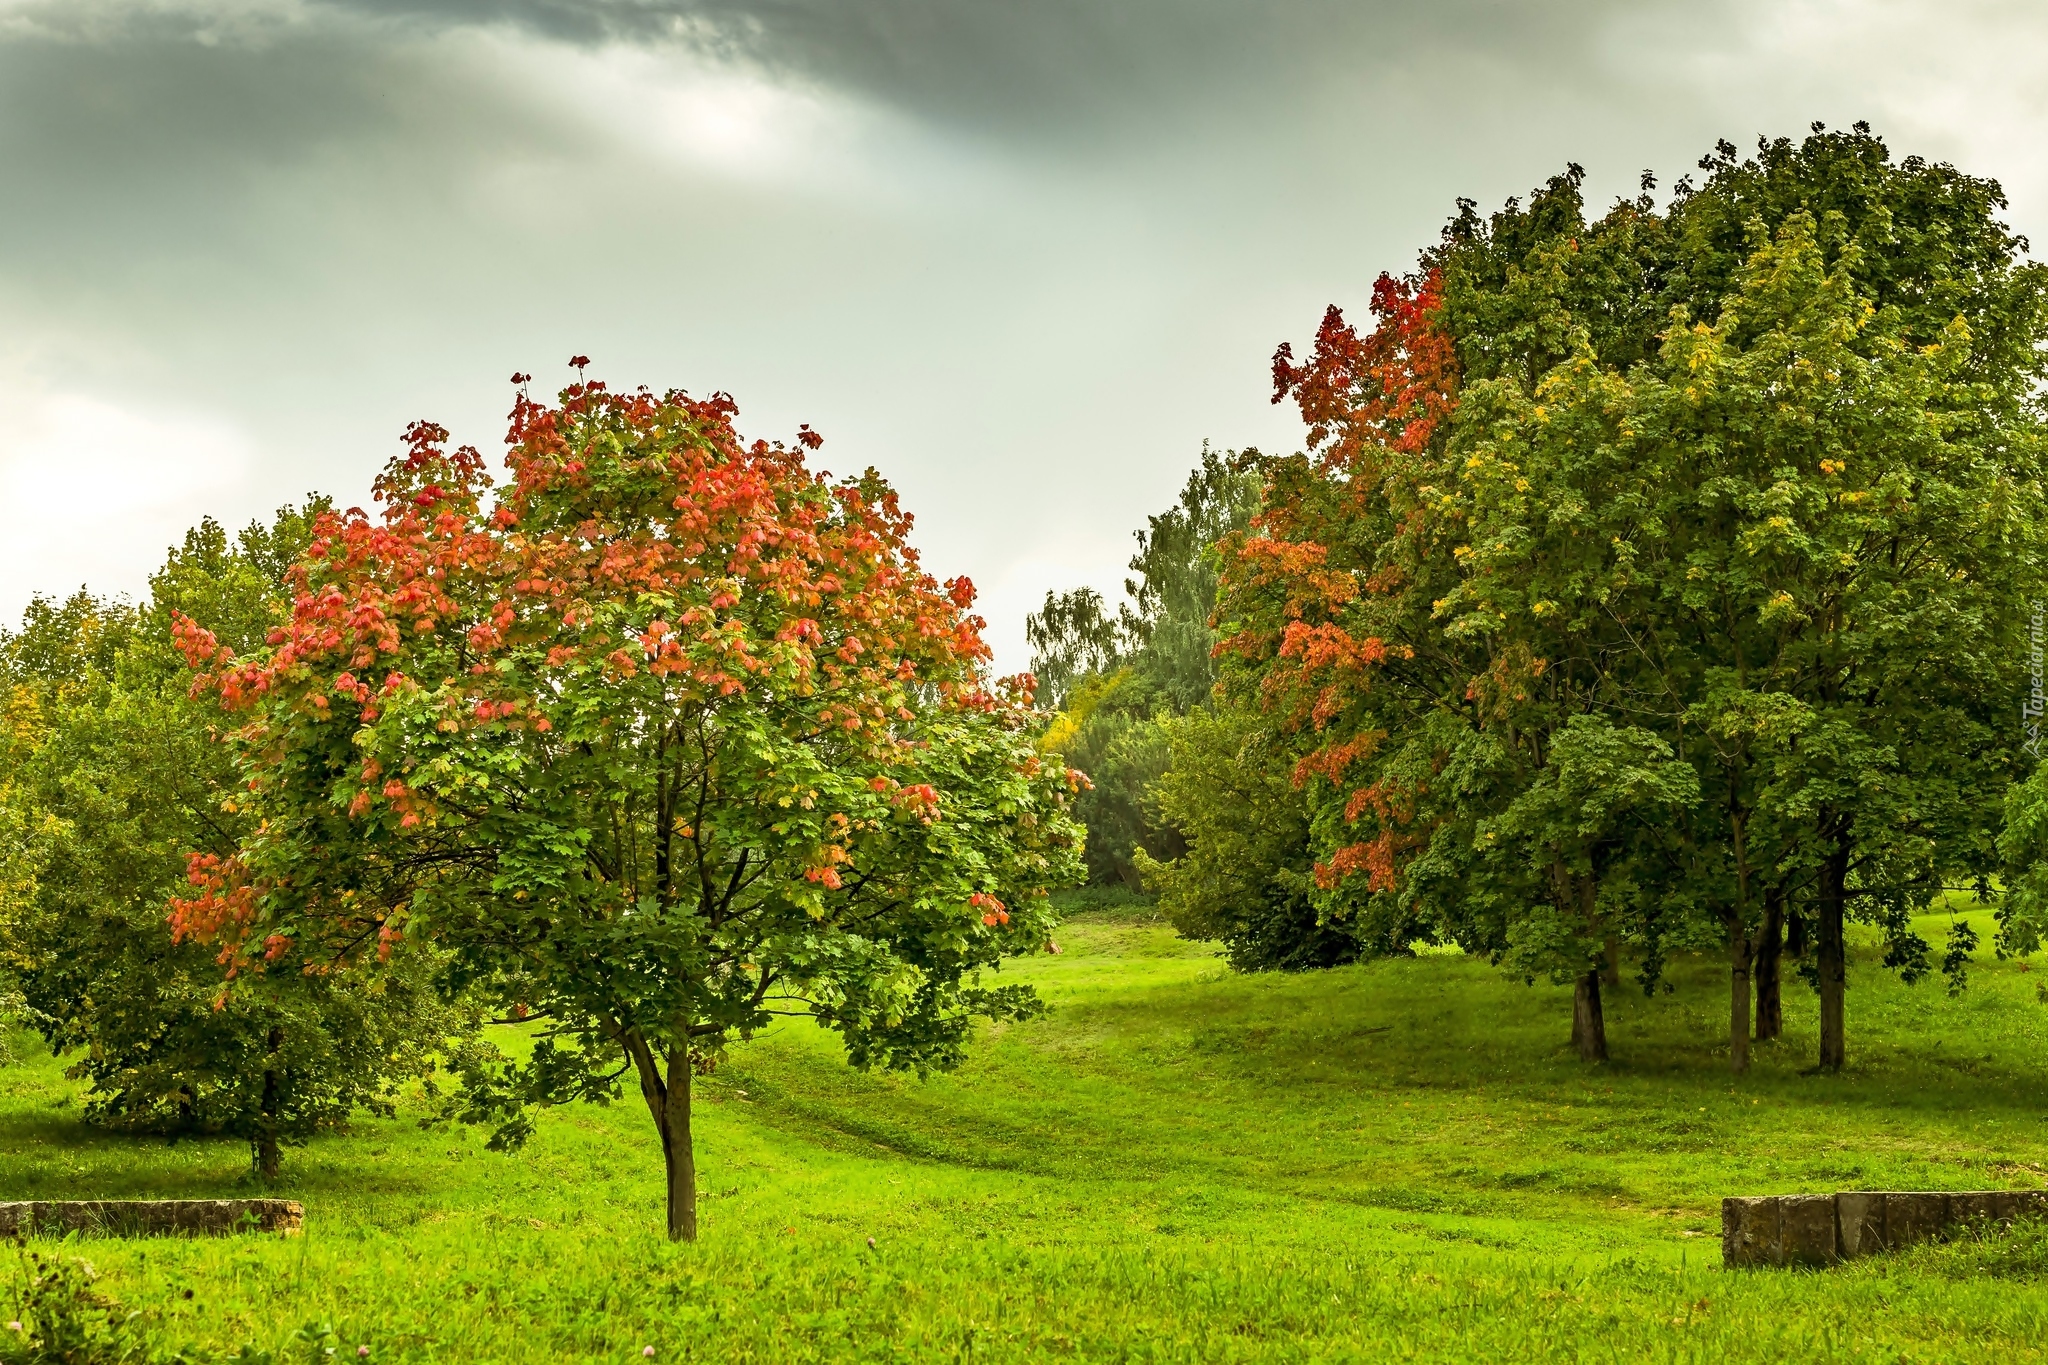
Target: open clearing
[(1390, 1161)]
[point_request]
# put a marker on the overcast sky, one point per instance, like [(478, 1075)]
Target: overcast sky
[(1023, 257)]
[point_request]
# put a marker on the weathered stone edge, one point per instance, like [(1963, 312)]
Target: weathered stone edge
[(151, 1216), (1820, 1229)]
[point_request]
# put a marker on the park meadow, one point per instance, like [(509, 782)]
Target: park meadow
[(614, 891), (1397, 1160)]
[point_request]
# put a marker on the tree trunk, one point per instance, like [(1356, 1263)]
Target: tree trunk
[(269, 1164), (1831, 952), (1610, 970), (678, 1152), (1738, 1000), (1589, 1028), (1797, 932), (1768, 968), (668, 1101)]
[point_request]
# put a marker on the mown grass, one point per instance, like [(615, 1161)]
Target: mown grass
[(1392, 1161)]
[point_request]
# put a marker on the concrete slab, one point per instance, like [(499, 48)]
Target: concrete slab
[(1750, 1231), (1977, 1209), (1820, 1229), (1911, 1217), (1859, 1224), (1807, 1229), (151, 1217)]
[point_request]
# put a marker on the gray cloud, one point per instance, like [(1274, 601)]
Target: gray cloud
[(1026, 69), (1023, 257), (1069, 70)]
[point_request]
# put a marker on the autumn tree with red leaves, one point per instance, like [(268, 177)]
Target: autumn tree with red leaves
[(1326, 603), (1466, 784), (672, 738)]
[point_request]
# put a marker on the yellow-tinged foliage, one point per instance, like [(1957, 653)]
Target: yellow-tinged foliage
[(1088, 694)]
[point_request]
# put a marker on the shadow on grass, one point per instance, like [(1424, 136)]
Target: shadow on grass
[(65, 1157), (1436, 1023)]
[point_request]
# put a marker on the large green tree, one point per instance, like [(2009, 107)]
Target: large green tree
[(1788, 543), (1750, 484), (1868, 508)]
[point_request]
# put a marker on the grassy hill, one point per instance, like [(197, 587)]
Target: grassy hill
[(1391, 1161)]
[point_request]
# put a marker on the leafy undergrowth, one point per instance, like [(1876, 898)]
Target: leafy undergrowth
[(1398, 1160)]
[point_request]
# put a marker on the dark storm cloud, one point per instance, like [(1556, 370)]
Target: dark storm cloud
[(1027, 69), (92, 119), (107, 90), (152, 179)]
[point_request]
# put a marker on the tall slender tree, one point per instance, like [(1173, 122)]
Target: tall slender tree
[(1119, 678)]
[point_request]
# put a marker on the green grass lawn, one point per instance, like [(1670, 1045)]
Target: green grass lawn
[(1392, 1161)]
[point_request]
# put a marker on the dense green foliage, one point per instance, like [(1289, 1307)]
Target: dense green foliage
[(1245, 878), (112, 778), (1187, 799), (1658, 582), (1117, 680), (1395, 1159)]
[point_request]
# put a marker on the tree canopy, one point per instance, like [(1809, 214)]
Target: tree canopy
[(1116, 678), (112, 777), (1658, 578), (672, 738)]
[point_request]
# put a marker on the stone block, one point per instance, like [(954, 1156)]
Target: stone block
[(1914, 1217), (1750, 1231), (1820, 1229), (1807, 1229), (1859, 1224), (148, 1217)]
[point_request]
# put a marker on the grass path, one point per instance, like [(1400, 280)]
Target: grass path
[(1398, 1160)]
